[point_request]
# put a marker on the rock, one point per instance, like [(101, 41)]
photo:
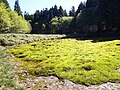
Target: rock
[(118, 70)]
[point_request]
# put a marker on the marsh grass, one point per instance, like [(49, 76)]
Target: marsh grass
[(80, 61), (7, 76), (16, 39)]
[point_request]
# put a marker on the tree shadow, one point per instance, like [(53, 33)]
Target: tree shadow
[(104, 39), (94, 39)]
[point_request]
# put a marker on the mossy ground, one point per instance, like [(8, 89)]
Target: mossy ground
[(8, 79), (80, 61)]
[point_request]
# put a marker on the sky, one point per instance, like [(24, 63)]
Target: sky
[(32, 5)]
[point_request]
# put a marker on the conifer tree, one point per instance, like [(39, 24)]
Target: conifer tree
[(72, 11), (80, 8), (17, 7), (61, 11), (65, 13)]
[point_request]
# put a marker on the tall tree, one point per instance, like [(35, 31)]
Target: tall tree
[(73, 24), (36, 15), (61, 11), (6, 3), (72, 11), (65, 13), (91, 3), (11, 22), (110, 14), (80, 8), (17, 7), (5, 21), (55, 11)]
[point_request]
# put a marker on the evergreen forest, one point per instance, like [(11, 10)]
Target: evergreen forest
[(92, 18)]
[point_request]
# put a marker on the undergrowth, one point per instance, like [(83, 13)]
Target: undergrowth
[(80, 61)]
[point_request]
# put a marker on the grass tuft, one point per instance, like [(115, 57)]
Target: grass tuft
[(7, 76)]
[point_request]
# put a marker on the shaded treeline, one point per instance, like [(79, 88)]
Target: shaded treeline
[(41, 20), (92, 18), (98, 18)]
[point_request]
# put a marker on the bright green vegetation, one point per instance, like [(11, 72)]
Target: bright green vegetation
[(60, 25), (7, 76), (80, 61), (10, 22)]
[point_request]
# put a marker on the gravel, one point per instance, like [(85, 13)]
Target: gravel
[(53, 83)]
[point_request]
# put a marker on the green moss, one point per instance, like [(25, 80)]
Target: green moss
[(80, 61)]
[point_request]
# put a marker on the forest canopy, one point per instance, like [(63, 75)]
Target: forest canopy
[(11, 22), (92, 18), (99, 17)]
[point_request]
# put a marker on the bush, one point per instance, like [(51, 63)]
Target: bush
[(60, 25), (19, 25)]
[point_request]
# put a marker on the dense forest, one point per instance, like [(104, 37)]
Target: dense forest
[(92, 18)]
